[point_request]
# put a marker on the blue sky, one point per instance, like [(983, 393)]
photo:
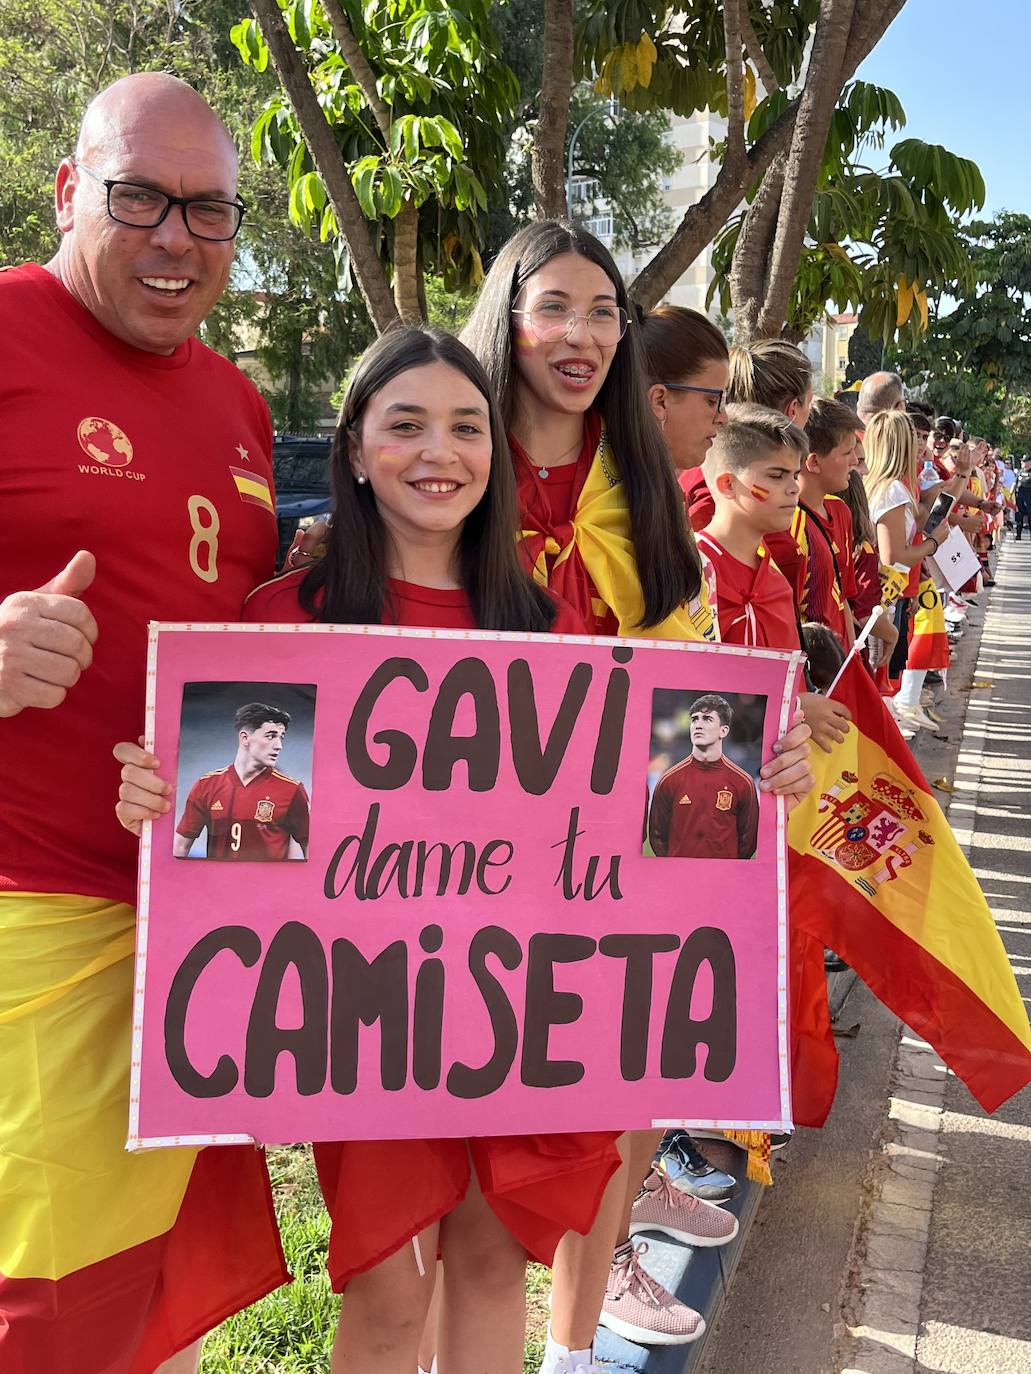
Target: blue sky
[(961, 70)]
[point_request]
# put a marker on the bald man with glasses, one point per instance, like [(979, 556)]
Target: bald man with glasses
[(136, 486)]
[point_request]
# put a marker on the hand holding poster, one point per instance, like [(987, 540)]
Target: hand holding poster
[(476, 934)]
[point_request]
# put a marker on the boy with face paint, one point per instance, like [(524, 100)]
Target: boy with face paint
[(705, 807)]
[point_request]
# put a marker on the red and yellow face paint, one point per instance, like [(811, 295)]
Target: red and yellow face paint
[(758, 492)]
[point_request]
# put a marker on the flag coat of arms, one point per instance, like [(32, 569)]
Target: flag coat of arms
[(878, 876)]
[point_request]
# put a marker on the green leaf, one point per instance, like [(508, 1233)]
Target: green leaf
[(363, 179), (391, 191)]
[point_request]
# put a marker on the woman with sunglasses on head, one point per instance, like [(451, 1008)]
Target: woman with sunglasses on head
[(604, 527), (423, 536)]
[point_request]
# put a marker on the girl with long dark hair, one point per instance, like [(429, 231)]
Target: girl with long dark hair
[(423, 535), (604, 526)]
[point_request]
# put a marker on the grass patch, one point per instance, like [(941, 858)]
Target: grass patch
[(291, 1331)]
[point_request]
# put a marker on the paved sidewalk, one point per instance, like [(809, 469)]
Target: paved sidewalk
[(898, 1239), (941, 1281), (976, 1309)]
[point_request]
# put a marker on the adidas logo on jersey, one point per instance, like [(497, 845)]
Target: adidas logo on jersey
[(217, 806)]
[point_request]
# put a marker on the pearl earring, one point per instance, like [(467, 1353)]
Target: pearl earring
[(361, 479)]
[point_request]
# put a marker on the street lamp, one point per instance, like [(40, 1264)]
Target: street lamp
[(610, 108)]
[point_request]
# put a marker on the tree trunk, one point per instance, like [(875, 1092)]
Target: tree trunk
[(823, 85), (549, 142), (364, 76), (704, 220), (407, 277), (749, 269), (293, 75)]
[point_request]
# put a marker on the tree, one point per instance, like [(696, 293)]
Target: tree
[(388, 125), (819, 223), (865, 356), (878, 239), (975, 359), (695, 55)]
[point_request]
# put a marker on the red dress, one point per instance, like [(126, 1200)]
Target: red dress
[(380, 1194)]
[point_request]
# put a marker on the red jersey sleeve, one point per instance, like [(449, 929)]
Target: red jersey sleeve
[(298, 817), (277, 602), (844, 538), (659, 818), (195, 812), (697, 499), (787, 552), (747, 820)]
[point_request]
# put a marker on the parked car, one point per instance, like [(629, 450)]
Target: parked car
[(300, 466)]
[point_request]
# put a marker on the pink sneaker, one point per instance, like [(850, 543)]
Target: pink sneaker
[(660, 1206), (639, 1309)]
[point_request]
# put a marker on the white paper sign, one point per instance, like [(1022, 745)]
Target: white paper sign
[(955, 561)]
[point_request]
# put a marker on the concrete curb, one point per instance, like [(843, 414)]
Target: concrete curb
[(885, 1278)]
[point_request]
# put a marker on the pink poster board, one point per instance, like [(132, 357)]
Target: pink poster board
[(476, 935)]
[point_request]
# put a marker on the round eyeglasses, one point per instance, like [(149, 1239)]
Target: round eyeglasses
[(551, 321), (142, 207)]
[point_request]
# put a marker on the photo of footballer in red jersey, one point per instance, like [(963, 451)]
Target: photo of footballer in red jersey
[(249, 809), (704, 805)]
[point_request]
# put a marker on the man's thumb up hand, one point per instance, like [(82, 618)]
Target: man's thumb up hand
[(74, 578), (46, 639)]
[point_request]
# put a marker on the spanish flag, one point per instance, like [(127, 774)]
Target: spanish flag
[(110, 1262), (928, 638), (877, 875), (253, 488)]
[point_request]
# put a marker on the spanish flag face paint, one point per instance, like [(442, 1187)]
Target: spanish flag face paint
[(760, 493), (526, 342)]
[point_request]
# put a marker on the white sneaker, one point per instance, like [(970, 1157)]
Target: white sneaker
[(916, 715)]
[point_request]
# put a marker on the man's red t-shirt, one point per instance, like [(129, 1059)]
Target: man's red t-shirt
[(429, 608), (256, 819), (804, 557), (755, 605), (704, 810), (162, 468)]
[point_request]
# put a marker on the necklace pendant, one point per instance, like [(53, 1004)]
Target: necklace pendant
[(542, 473)]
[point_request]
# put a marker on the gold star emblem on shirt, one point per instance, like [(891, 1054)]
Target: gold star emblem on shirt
[(243, 453)]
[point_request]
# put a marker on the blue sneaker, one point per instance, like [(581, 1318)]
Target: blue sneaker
[(688, 1169)]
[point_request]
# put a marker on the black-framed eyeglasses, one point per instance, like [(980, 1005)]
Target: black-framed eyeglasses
[(142, 207), (551, 321), (717, 395)]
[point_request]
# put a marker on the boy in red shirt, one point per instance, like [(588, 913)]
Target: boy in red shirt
[(815, 554), (753, 472)]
